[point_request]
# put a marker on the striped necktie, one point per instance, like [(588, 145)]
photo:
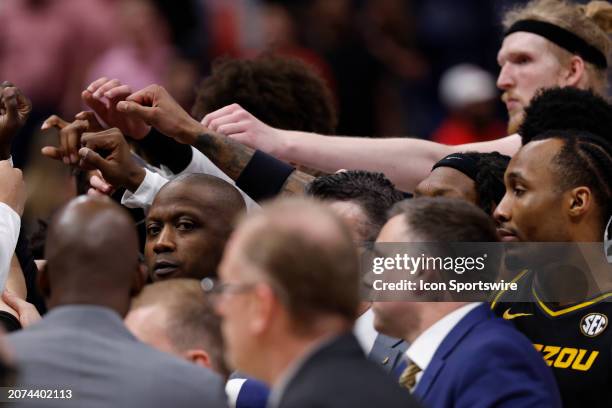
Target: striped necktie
[(408, 377)]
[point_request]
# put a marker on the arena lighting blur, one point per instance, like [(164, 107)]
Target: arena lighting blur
[(608, 241)]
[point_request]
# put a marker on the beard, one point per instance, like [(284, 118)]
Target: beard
[(515, 122)]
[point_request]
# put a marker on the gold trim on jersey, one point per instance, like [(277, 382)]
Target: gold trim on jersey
[(501, 292), (560, 312)]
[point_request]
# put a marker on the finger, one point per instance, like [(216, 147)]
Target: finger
[(231, 128), (70, 139), (99, 184), (242, 138), (9, 97), (54, 121), (6, 84), (107, 139), (93, 87), (93, 124), (95, 193), (91, 159), (145, 96), (51, 152), (11, 300), (95, 104), (226, 110), (107, 86), (231, 118), (27, 312), (132, 108), (24, 105), (122, 91)]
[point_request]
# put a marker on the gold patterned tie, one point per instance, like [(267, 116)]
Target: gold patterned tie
[(408, 377)]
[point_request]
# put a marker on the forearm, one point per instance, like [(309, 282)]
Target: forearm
[(162, 150), (406, 161), (233, 157)]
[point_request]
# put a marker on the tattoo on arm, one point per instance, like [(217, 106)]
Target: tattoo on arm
[(232, 157), (227, 154)]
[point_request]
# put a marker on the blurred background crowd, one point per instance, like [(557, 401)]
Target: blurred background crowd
[(424, 68)]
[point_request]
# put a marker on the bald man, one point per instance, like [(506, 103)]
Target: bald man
[(82, 346), (188, 225)]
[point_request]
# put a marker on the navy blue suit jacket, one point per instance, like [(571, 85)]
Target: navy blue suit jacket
[(485, 362)]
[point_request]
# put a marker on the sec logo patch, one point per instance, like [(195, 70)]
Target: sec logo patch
[(593, 324)]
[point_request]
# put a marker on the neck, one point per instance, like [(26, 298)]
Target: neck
[(429, 314), (116, 303), (363, 307), (285, 351)]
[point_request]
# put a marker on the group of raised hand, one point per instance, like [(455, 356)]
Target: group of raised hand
[(96, 140)]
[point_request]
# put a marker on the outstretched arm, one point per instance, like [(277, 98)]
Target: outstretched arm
[(405, 161), (157, 108)]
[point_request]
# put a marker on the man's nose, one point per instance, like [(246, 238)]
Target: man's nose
[(502, 212), (164, 242), (505, 80)]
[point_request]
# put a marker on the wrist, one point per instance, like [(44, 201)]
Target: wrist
[(135, 178), (283, 146), (190, 132)]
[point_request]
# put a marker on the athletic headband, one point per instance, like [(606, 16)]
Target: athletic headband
[(460, 162), (563, 38)]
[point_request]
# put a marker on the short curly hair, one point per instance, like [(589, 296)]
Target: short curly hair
[(281, 92), (566, 108)]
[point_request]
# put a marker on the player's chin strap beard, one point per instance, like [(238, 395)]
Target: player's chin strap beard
[(608, 241)]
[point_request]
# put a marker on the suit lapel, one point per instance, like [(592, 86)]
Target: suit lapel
[(386, 351), (452, 339)]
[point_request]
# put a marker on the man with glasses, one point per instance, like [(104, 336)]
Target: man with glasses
[(288, 297)]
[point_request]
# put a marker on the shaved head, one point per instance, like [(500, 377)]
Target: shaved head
[(188, 225), (92, 254)]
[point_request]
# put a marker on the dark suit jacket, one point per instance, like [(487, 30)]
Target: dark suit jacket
[(485, 362), (88, 350), (387, 352), (339, 375)]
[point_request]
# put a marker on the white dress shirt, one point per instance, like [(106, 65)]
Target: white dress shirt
[(154, 180), (423, 348), (365, 332), (10, 222)]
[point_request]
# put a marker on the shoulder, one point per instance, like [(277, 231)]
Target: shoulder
[(347, 382)]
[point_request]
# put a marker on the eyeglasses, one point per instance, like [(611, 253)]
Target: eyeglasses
[(212, 286)]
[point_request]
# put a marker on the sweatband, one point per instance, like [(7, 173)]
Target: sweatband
[(460, 162), (563, 38), (264, 176)]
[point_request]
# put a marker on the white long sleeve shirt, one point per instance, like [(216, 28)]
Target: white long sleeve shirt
[(154, 181), (10, 223)]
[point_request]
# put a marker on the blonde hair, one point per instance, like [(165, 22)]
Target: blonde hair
[(591, 22)]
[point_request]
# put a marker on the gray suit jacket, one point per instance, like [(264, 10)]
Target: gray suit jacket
[(88, 350), (387, 352)]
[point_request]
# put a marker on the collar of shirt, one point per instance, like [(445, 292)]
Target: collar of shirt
[(365, 332), (423, 348)]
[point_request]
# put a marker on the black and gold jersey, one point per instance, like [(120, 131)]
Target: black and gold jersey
[(574, 340)]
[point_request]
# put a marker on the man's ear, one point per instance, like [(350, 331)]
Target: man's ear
[(139, 279), (198, 357), (575, 72), (581, 199), (264, 308), (43, 282)]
